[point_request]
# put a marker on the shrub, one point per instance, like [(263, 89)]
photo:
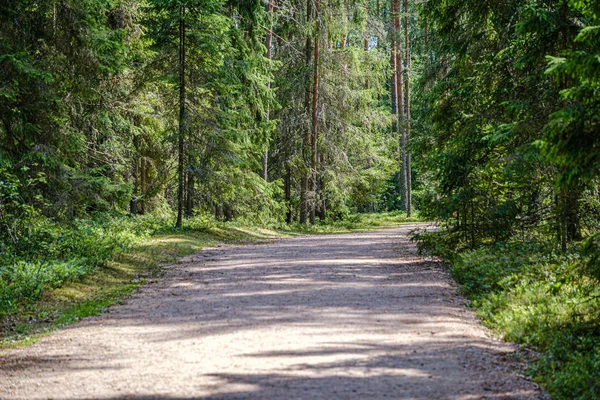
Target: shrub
[(48, 254)]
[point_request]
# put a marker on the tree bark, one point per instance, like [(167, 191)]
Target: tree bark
[(377, 18), (144, 182), (315, 117), (269, 44), (182, 117), (366, 46), (322, 211), (366, 33), (306, 148), (394, 85), (408, 177), (136, 175), (228, 211), (400, 94), (288, 193)]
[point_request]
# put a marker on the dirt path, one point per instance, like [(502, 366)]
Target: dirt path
[(320, 317)]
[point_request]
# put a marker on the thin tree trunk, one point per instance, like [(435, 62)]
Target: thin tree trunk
[(182, 117), (269, 44), (366, 34), (144, 183), (315, 117), (377, 18), (569, 212), (400, 92), (323, 202), (265, 164), (345, 29), (306, 149), (394, 85), (136, 175), (408, 178), (288, 193), (366, 46)]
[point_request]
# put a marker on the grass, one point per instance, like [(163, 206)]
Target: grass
[(116, 278)]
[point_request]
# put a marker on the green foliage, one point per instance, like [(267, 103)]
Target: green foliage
[(571, 132), (504, 127), (591, 257), (48, 254), (532, 295)]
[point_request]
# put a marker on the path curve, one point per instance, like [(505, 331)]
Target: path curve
[(354, 316)]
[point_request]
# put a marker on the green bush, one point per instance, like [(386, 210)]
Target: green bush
[(47, 253)]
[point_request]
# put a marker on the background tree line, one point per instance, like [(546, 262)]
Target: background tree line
[(265, 110)]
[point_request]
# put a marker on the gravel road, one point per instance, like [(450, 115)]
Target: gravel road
[(355, 316)]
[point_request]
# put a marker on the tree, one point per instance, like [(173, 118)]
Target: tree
[(490, 105), (197, 30), (407, 157), (65, 73), (269, 45)]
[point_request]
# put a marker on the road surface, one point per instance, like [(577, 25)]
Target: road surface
[(355, 316)]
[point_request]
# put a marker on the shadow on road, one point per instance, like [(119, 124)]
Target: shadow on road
[(328, 317)]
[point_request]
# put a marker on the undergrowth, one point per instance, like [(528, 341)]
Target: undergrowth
[(531, 294)]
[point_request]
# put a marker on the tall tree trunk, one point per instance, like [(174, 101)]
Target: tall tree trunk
[(144, 183), (136, 176), (345, 29), (182, 117), (269, 44), (288, 193), (322, 212), (306, 148), (408, 178), (366, 33), (400, 92), (394, 85), (366, 45), (315, 117), (377, 17)]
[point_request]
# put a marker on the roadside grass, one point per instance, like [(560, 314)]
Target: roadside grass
[(114, 278), (532, 294)]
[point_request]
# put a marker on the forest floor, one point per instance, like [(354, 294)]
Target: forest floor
[(352, 316)]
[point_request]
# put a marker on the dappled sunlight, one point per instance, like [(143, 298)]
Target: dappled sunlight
[(311, 317)]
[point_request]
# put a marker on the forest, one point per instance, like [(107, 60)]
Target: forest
[(124, 119)]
